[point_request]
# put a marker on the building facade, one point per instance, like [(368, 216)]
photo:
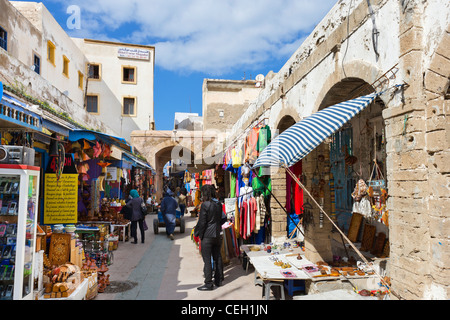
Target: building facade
[(110, 82)]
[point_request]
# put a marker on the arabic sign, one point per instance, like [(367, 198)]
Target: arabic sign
[(133, 53)]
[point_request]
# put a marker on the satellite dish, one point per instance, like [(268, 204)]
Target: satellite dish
[(259, 78)]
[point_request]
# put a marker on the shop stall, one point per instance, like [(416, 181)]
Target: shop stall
[(310, 133), (19, 193)]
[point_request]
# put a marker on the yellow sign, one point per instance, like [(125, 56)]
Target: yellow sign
[(61, 199)]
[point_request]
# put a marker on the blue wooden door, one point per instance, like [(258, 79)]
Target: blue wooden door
[(341, 145)]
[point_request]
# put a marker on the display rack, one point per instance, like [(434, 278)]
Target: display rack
[(19, 194)]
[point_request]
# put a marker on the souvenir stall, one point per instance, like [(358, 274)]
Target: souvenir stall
[(249, 191), (246, 195), (369, 195), (19, 197)]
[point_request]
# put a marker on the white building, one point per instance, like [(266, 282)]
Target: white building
[(113, 82), (119, 84)]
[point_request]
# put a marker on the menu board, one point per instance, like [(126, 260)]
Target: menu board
[(60, 199)]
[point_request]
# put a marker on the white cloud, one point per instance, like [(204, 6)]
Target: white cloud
[(216, 37)]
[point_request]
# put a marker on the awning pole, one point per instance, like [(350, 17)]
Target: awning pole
[(337, 228)]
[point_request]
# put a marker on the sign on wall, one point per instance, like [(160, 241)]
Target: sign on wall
[(133, 53), (61, 199)]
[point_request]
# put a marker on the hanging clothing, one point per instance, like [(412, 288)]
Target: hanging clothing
[(264, 137), (253, 210), (260, 213), (243, 220), (259, 185), (294, 194), (197, 197), (237, 220), (233, 185), (251, 153), (236, 158)]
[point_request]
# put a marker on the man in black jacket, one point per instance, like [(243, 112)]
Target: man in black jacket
[(208, 229)]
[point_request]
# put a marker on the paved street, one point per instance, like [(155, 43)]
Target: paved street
[(162, 269)]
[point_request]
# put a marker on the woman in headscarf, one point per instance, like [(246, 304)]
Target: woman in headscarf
[(169, 211), (137, 217)]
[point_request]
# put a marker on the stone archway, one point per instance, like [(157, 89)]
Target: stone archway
[(285, 122), (166, 154), (328, 159)]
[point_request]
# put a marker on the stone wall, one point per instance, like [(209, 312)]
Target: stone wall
[(418, 141)]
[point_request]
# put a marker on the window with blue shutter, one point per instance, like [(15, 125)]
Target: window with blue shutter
[(3, 39)]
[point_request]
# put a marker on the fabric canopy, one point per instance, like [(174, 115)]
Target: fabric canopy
[(300, 139), (90, 135)]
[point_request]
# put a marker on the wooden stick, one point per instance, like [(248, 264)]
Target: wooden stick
[(337, 228)]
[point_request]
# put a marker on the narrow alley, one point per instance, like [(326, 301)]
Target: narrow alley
[(162, 269)]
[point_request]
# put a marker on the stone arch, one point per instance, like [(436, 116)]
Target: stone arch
[(357, 74), (285, 118), (285, 122), (162, 156), (353, 139)]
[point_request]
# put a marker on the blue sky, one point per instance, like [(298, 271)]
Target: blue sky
[(197, 39)]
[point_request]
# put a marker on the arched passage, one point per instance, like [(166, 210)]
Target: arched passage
[(334, 168), (166, 154), (285, 123)]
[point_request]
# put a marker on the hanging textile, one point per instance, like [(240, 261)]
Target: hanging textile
[(237, 220), (236, 158), (233, 185), (251, 152), (294, 194), (264, 137), (259, 183)]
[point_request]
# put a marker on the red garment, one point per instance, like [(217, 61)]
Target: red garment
[(293, 190), (243, 222), (253, 207)]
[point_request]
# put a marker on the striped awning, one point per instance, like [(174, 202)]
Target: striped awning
[(300, 139)]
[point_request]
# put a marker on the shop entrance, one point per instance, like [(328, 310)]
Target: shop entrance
[(341, 148)]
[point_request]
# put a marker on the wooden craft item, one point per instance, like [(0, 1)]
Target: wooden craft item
[(355, 225), (379, 244), (59, 248), (386, 249), (368, 237)]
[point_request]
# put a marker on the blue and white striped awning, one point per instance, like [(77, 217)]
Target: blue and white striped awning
[(300, 139)]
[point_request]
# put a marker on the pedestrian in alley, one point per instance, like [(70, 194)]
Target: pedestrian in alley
[(208, 229), (182, 200), (137, 217), (169, 210)]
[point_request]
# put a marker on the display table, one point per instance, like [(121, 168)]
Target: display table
[(272, 275), (266, 268), (78, 294), (124, 226)]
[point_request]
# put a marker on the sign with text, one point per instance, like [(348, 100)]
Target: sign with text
[(69, 164), (60, 199), (111, 173), (133, 53)]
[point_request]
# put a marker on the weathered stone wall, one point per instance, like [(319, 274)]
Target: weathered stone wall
[(418, 143)]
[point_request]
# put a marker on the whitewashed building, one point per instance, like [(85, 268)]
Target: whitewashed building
[(107, 81)]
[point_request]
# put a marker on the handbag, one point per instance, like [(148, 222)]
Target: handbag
[(143, 208), (145, 226)]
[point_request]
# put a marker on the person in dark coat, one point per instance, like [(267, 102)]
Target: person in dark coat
[(208, 229), (137, 217), (169, 212)]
